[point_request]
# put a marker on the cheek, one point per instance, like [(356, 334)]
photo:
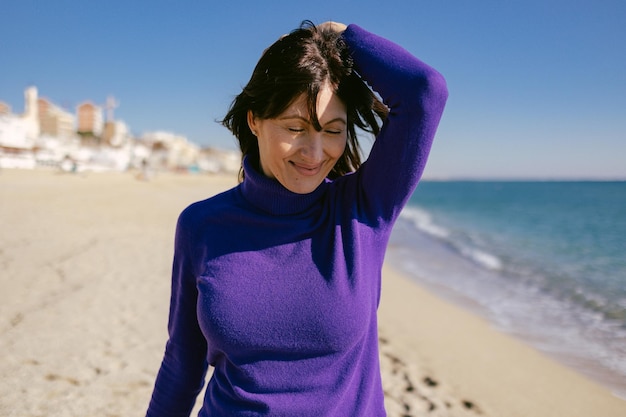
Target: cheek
[(273, 146), (336, 148), (282, 150)]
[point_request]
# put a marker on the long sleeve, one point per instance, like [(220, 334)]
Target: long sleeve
[(182, 371), (416, 95)]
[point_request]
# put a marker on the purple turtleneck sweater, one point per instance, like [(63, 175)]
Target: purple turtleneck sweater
[(279, 291)]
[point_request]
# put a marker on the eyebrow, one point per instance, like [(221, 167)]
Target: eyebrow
[(297, 116)]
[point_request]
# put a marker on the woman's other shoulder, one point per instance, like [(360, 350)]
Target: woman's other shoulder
[(210, 207)]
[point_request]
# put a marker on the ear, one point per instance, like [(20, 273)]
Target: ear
[(252, 123)]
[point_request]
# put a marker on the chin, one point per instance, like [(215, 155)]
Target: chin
[(302, 187)]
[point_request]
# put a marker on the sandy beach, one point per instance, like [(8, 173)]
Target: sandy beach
[(84, 292)]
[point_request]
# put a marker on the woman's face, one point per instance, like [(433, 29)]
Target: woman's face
[(292, 151)]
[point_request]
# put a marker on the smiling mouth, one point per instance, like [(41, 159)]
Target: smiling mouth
[(306, 170)]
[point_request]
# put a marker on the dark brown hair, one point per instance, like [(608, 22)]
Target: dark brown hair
[(303, 62)]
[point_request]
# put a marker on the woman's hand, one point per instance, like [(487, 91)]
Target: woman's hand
[(333, 26)]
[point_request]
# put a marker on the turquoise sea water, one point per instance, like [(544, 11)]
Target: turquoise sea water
[(545, 261)]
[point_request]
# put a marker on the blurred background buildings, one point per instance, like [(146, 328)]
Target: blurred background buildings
[(47, 135)]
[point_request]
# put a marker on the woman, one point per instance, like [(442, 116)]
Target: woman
[(276, 282)]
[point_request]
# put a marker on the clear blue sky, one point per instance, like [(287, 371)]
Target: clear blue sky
[(537, 87)]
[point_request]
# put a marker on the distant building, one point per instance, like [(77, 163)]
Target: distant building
[(55, 121), (16, 147), (215, 161), (19, 133), (116, 133), (90, 119), (4, 108), (170, 151), (15, 133), (31, 113)]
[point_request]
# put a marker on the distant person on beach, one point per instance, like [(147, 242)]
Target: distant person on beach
[(144, 175), (68, 165), (276, 282)]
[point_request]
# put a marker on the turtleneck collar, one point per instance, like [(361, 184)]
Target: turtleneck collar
[(270, 196)]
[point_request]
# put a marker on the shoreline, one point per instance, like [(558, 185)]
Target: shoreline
[(85, 296), (585, 367), (478, 361)]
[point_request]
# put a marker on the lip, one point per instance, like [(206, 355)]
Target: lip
[(306, 170)]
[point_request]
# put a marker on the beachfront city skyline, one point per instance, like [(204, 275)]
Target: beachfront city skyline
[(537, 89), (88, 120), (45, 134)]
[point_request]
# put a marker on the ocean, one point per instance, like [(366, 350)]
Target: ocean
[(543, 261)]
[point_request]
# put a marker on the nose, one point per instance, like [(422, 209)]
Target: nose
[(312, 149)]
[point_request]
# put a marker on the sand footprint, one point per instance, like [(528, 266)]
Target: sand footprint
[(411, 391)]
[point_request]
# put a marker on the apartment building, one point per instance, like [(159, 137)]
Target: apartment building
[(4, 108), (115, 133), (55, 121), (90, 119)]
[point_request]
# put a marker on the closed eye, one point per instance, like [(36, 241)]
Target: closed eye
[(334, 132)]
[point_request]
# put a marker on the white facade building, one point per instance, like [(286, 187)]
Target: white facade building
[(170, 151)]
